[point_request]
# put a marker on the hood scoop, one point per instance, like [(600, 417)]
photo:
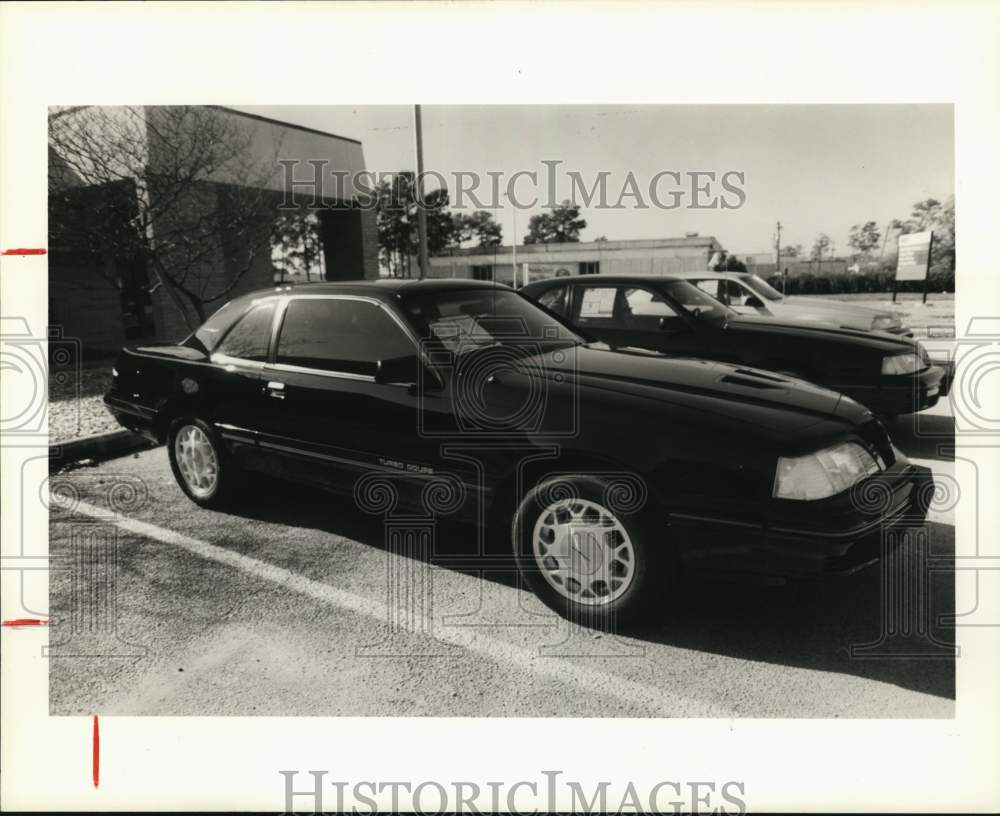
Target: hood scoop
[(754, 379)]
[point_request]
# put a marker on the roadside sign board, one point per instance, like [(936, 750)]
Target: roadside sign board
[(914, 256)]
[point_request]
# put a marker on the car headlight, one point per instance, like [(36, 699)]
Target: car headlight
[(905, 363), (824, 473), (884, 322)]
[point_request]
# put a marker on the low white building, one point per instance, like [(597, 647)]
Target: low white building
[(657, 256)]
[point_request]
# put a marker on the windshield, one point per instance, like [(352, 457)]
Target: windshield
[(762, 287), (697, 302), (467, 319)]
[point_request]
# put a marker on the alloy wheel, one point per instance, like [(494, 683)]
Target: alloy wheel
[(584, 551), (197, 460)]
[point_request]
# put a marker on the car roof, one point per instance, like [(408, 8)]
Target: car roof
[(602, 278), (707, 275), (399, 285), (382, 286)]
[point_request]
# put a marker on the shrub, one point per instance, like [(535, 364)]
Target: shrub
[(869, 281)]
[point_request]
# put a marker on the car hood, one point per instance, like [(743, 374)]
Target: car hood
[(838, 312), (858, 339), (762, 398)]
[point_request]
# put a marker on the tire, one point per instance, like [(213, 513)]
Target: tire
[(206, 474), (602, 581)]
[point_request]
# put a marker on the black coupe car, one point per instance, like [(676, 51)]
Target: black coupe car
[(605, 475), (890, 375)]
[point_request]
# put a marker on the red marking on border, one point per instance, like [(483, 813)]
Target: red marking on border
[(25, 622), (97, 753), (24, 251)]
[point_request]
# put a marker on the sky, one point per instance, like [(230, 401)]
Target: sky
[(816, 168)]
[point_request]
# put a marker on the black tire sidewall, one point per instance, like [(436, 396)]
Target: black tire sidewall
[(226, 470), (647, 529)]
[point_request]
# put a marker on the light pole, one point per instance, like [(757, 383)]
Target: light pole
[(513, 246), (421, 212), (777, 256)]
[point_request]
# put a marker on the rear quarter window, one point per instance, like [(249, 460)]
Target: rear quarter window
[(211, 332), (596, 306), (250, 337), (554, 300)]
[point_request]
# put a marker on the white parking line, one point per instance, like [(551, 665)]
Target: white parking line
[(586, 678)]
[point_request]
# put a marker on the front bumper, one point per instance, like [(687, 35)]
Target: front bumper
[(132, 415), (948, 367), (905, 394), (799, 540)]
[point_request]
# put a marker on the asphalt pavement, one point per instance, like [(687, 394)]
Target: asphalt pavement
[(293, 602)]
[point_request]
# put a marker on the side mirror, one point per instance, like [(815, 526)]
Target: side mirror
[(398, 371), (754, 302)]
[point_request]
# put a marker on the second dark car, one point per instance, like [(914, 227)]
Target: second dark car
[(670, 315)]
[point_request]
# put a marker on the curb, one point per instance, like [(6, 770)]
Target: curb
[(99, 446)]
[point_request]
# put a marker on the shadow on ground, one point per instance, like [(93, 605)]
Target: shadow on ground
[(842, 625)]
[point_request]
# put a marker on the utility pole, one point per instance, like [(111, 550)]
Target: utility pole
[(513, 247), (421, 212), (777, 256)]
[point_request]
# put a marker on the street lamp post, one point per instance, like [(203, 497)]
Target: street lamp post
[(421, 212), (514, 246)]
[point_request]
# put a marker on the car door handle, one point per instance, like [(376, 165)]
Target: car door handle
[(276, 389)]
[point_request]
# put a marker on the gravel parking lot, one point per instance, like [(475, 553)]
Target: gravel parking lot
[(283, 605), (76, 405)]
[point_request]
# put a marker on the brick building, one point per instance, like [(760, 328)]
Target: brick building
[(106, 299)]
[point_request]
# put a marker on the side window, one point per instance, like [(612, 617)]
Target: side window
[(726, 290), (595, 306), (346, 336), (742, 295), (645, 310), (643, 302), (710, 286), (249, 338), (213, 329), (554, 299)]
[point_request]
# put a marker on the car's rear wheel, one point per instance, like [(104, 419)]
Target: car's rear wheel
[(586, 555), (199, 462)]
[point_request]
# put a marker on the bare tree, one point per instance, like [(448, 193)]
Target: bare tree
[(178, 188)]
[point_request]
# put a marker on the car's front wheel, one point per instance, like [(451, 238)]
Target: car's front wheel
[(199, 462), (588, 555)]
